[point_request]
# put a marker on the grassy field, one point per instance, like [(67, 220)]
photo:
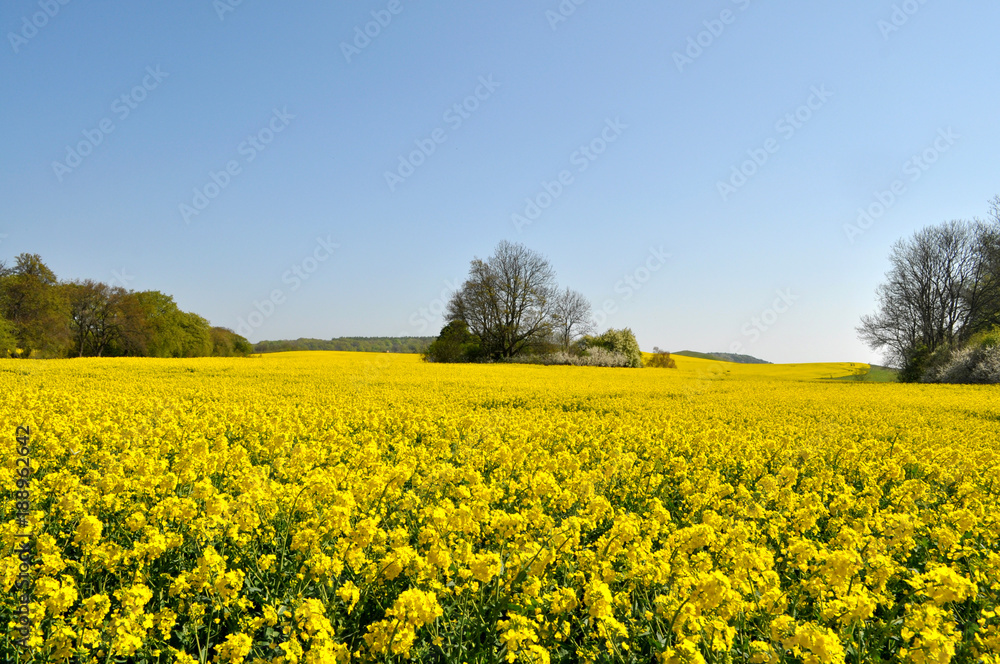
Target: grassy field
[(335, 507), (874, 374)]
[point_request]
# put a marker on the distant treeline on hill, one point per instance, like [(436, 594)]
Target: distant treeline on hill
[(356, 344), (725, 357)]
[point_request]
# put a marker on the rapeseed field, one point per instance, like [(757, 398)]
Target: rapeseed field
[(337, 507)]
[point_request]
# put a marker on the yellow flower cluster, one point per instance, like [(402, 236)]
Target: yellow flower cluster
[(335, 507)]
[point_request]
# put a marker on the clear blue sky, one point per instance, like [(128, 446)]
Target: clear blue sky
[(191, 88)]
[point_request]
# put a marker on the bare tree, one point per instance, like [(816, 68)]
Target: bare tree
[(507, 300), (939, 290), (571, 317), (96, 315)]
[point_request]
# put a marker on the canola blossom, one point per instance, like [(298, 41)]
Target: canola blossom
[(339, 507)]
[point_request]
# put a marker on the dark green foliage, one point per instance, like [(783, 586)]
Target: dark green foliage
[(915, 365), (455, 344), (413, 345), (8, 341), (226, 343), (43, 317), (661, 360), (31, 299)]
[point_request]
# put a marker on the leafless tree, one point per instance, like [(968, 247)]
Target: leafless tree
[(571, 317), (96, 315), (507, 300), (939, 290)]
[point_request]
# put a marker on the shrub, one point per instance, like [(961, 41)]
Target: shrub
[(617, 341), (987, 339), (915, 366), (972, 364), (594, 357), (661, 360), (977, 362), (454, 344)]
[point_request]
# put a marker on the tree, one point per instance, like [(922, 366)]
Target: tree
[(164, 335), (30, 298), (571, 317), (97, 317), (661, 359), (226, 343), (939, 291), (8, 340), (455, 344), (507, 301), (196, 337)]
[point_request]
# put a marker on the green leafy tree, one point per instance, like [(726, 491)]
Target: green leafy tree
[(455, 344), (196, 339), (31, 299), (661, 360), (8, 340), (163, 335), (226, 343)]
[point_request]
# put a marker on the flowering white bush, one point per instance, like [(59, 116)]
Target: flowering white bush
[(972, 364)]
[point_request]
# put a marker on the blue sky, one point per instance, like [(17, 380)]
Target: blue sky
[(697, 170)]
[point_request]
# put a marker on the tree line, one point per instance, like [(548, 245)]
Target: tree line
[(43, 317), (510, 309), (938, 317), (414, 345)]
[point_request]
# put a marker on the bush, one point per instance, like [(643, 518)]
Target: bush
[(661, 360), (454, 344), (915, 366), (594, 357), (617, 341), (978, 362), (987, 338)]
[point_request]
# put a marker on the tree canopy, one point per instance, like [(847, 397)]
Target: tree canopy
[(41, 316), (943, 287), (507, 301)]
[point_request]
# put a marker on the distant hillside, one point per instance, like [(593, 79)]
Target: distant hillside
[(725, 357), (356, 344)]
